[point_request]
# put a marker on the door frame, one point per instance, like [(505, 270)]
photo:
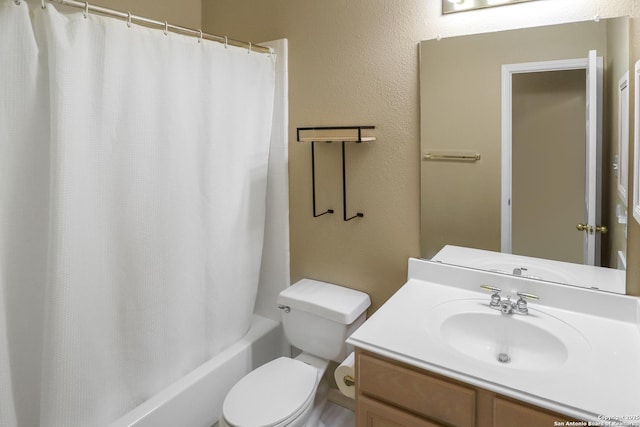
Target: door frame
[(508, 70)]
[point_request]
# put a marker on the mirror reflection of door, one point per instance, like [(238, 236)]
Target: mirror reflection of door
[(548, 164), (553, 112)]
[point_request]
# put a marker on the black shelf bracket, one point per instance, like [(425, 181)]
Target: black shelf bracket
[(344, 189), (313, 182), (330, 134)]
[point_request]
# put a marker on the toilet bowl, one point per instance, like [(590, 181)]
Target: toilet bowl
[(317, 318), (279, 393)]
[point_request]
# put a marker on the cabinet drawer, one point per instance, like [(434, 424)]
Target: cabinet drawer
[(372, 413), (415, 391)]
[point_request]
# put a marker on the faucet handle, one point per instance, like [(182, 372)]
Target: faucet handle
[(491, 288), (524, 295), (521, 305), (495, 297)]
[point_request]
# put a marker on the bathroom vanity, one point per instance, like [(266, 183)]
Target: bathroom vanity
[(437, 353), (392, 391)]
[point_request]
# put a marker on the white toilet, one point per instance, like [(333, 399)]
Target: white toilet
[(317, 318)]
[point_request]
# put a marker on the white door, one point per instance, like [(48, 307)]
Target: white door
[(593, 184), (593, 147)]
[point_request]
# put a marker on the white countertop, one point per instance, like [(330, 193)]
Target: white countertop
[(602, 382), (587, 276)]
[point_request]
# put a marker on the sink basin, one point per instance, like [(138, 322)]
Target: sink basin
[(534, 342)]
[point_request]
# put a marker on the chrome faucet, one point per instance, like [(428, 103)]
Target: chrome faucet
[(521, 271), (506, 306), (518, 271)]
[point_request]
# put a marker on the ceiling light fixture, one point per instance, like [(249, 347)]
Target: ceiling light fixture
[(449, 6)]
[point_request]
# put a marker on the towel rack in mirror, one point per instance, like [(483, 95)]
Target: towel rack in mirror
[(458, 156)]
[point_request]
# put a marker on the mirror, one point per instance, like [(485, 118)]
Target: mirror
[(462, 139), (453, 6)]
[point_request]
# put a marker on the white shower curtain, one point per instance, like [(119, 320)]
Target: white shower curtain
[(133, 172)]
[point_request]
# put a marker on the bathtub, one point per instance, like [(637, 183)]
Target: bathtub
[(196, 399)]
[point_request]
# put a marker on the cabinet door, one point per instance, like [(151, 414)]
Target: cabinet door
[(509, 414), (371, 413), (416, 391)]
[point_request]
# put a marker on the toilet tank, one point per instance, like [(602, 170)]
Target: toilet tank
[(318, 317)]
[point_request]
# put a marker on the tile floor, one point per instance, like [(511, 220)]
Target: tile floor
[(334, 415)]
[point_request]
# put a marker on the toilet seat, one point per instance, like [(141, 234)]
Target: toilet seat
[(272, 395)]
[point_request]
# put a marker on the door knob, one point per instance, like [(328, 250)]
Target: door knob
[(584, 227), (590, 229), (601, 229)]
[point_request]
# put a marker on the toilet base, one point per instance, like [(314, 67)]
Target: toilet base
[(320, 400)]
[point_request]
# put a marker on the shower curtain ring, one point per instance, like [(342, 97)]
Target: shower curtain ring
[(129, 19), (17, 2), (166, 28), (249, 50), (226, 41), (44, 5), (86, 10), (200, 38)]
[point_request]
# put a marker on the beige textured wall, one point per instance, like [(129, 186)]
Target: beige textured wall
[(350, 63), (186, 13), (356, 62)]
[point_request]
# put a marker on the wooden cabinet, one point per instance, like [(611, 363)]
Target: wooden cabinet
[(424, 395), (372, 413), (392, 394), (510, 413)]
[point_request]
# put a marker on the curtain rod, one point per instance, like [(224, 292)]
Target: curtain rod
[(127, 16)]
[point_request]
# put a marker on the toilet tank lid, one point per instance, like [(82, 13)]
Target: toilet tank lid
[(330, 301)]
